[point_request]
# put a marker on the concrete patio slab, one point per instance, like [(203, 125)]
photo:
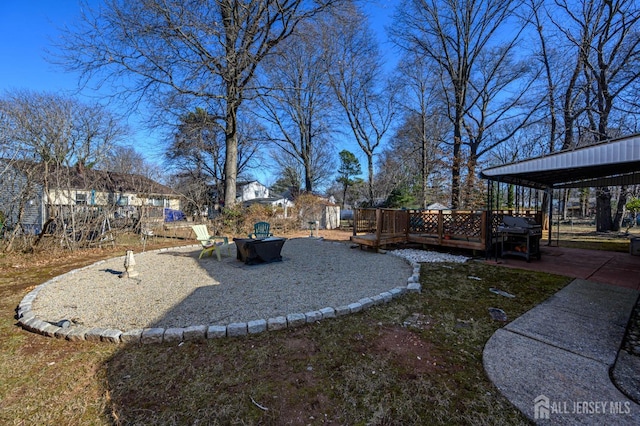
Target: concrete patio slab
[(565, 385), (553, 362), (589, 319), (615, 268), (595, 300), (595, 339)]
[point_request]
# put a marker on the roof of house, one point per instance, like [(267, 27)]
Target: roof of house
[(91, 179), (242, 183)]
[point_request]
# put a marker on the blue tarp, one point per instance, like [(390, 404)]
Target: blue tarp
[(171, 215)]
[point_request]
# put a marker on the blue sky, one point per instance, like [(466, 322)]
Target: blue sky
[(26, 29), (29, 27)]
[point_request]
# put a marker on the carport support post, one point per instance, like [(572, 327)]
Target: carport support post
[(490, 243), (550, 193)]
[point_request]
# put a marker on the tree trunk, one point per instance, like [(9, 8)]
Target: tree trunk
[(308, 177), (424, 167), (544, 208), (603, 209), (455, 170), (565, 203), (471, 199), (344, 194), (231, 154), (370, 167), (620, 208), (584, 202)]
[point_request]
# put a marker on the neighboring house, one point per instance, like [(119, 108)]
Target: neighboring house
[(246, 191), (254, 192), (33, 194)]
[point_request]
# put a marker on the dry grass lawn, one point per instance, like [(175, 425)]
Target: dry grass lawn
[(417, 360)]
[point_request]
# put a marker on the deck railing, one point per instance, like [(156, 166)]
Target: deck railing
[(381, 221), (457, 228)]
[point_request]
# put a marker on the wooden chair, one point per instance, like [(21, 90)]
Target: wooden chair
[(261, 230), (210, 243)]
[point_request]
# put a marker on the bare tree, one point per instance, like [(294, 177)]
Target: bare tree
[(196, 152), (544, 55), (126, 160), (498, 107), (289, 179), (414, 158), (46, 127), (52, 140), (176, 52), (606, 35), (355, 70), (422, 130), (299, 105), (453, 35)]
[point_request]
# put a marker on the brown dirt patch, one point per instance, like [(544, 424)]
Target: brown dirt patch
[(408, 350)]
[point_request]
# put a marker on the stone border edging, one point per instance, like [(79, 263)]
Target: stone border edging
[(29, 321)]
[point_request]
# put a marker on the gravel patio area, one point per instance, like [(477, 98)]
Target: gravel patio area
[(175, 289)]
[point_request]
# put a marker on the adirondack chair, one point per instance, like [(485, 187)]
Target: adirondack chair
[(210, 243), (261, 230)]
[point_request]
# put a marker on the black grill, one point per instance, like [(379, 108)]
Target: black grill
[(520, 236)]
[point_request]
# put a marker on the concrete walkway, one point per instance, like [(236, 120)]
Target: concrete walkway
[(553, 363)]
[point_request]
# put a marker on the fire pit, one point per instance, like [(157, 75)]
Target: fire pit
[(520, 236), (262, 250)]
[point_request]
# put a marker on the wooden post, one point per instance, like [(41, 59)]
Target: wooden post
[(407, 222), (355, 221), (483, 227)]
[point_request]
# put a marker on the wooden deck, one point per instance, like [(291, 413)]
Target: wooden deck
[(463, 229)]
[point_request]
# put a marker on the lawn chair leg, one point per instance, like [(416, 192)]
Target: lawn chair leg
[(203, 252), (210, 250)]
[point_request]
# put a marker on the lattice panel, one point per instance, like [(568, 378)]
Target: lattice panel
[(469, 225), (423, 222)]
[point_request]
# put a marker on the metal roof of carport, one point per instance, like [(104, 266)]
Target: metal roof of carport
[(609, 163)]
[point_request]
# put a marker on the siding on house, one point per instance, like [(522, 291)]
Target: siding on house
[(21, 201), (23, 189), (251, 190)]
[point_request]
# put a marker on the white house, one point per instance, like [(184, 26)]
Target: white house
[(253, 192)]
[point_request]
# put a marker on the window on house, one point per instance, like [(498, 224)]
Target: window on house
[(118, 199), (156, 202), (81, 198)]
